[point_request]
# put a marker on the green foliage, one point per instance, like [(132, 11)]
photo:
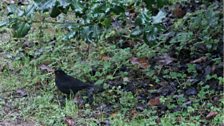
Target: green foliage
[(21, 29), (152, 4), (91, 20), (127, 100), (191, 68)]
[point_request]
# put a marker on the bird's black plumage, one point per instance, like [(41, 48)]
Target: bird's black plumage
[(67, 84)]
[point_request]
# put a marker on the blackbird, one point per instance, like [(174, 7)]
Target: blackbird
[(67, 84)]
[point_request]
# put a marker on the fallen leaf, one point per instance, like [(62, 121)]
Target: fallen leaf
[(126, 79), (211, 115), (105, 58), (199, 60), (44, 67), (69, 121), (133, 113), (154, 102), (134, 60), (141, 62), (21, 92), (140, 108), (114, 114), (179, 11), (164, 59)]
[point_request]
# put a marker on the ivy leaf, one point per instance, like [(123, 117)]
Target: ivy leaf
[(45, 5), (99, 82), (143, 18), (159, 17), (150, 39), (55, 11), (137, 32), (4, 23), (64, 3), (13, 9), (69, 35), (106, 22), (30, 10), (77, 6), (99, 8), (118, 9)]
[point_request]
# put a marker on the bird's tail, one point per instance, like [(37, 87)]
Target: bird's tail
[(94, 89)]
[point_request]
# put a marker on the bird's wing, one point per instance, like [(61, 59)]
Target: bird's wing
[(77, 83)]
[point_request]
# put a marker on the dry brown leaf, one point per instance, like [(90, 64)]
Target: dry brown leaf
[(105, 58), (154, 102), (211, 115), (179, 11), (44, 67), (134, 113), (165, 59), (141, 62), (199, 60), (69, 121), (114, 114)]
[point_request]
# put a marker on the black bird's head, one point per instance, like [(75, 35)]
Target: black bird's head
[(59, 72)]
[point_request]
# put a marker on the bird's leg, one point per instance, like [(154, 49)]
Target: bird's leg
[(90, 95), (70, 95)]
